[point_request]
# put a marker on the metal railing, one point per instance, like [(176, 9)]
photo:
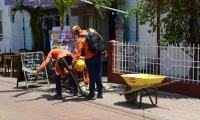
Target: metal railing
[(174, 61)]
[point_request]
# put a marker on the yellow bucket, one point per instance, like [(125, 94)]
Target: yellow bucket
[(142, 79)]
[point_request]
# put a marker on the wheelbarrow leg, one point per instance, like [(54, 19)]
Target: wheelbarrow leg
[(143, 93), (73, 76), (139, 104), (156, 97)]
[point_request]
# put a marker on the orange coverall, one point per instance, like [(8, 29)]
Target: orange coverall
[(82, 43), (55, 54), (86, 75)]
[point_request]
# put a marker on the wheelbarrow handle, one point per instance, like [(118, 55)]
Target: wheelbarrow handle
[(140, 88)]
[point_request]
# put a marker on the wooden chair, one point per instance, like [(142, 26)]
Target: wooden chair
[(7, 62)]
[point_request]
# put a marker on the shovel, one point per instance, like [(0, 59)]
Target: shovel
[(73, 76)]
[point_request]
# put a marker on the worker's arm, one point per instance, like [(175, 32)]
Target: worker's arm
[(86, 79), (78, 49), (44, 64)]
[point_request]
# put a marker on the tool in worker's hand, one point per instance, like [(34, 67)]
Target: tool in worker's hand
[(73, 76), (27, 69)]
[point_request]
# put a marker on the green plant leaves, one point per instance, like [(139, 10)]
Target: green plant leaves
[(179, 19)]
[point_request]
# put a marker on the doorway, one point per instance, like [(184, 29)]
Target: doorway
[(112, 17)]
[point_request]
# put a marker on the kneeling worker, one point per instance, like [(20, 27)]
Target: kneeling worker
[(60, 68), (81, 71)]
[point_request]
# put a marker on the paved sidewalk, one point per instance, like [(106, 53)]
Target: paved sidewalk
[(112, 106)]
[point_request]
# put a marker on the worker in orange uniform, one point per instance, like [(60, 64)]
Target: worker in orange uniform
[(81, 71), (93, 62), (60, 68)]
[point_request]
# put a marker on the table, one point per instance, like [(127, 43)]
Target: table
[(11, 58)]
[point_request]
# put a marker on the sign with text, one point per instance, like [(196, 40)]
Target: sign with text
[(82, 11), (32, 61), (63, 39)]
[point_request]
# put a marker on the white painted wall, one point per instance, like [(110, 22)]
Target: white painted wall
[(130, 23), (173, 61), (145, 37), (1, 4), (12, 32), (17, 33)]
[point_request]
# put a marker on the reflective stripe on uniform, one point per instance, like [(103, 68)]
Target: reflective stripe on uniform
[(83, 40)]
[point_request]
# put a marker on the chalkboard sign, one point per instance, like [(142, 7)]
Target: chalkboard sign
[(33, 60)]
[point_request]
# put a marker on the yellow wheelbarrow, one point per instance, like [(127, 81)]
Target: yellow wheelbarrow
[(143, 85)]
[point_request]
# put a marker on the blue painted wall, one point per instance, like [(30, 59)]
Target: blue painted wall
[(130, 23), (27, 32)]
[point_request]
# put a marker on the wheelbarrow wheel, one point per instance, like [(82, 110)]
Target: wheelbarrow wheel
[(130, 97)]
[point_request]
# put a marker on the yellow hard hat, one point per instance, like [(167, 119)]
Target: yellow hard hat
[(55, 47), (80, 65)]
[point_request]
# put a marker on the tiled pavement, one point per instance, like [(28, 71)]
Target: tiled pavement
[(38, 103)]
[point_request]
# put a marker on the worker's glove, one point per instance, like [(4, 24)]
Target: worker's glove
[(35, 72), (78, 81)]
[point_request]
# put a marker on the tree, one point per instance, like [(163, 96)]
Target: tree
[(34, 16), (179, 23), (62, 6), (101, 4)]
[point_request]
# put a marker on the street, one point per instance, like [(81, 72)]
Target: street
[(39, 103)]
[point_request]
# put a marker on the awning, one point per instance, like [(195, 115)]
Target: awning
[(29, 2), (86, 1), (49, 3)]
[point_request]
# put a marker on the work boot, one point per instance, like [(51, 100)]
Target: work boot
[(68, 89), (79, 94), (91, 96), (58, 96), (76, 94), (100, 95)]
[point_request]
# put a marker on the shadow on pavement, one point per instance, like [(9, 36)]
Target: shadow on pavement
[(134, 106), (20, 87), (48, 97), (72, 99), (30, 90), (22, 94), (2, 91), (167, 95), (45, 96)]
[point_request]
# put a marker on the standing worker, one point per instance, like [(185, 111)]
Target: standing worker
[(60, 68), (93, 61)]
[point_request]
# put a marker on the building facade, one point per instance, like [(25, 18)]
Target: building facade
[(17, 35)]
